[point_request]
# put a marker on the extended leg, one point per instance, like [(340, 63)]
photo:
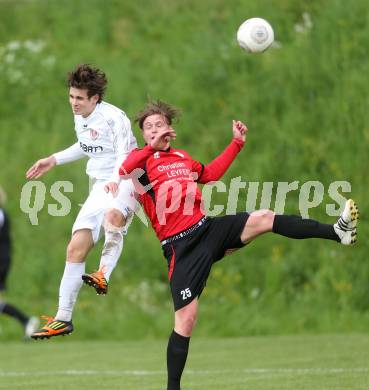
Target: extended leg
[(114, 226), (77, 250), (293, 226)]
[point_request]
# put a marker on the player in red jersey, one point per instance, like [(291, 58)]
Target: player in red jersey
[(166, 180)]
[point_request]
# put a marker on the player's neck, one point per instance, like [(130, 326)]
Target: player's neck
[(86, 115)]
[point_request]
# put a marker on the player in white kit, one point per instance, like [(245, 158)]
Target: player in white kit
[(104, 135)]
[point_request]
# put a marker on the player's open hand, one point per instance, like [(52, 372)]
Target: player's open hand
[(40, 167), (112, 187), (239, 130), (161, 140)]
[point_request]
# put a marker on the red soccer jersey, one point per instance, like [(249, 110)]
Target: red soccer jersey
[(166, 182)]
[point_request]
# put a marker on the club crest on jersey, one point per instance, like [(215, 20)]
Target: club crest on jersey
[(156, 155), (94, 135)]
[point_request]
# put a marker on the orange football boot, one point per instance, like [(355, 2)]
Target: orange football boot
[(53, 328), (97, 281)]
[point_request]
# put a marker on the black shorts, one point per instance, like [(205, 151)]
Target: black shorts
[(4, 269), (190, 258)]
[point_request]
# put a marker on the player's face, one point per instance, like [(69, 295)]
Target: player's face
[(80, 102), (152, 125)]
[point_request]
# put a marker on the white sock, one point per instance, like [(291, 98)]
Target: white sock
[(111, 252), (69, 288)]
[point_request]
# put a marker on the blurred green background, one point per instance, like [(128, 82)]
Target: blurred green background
[(306, 105)]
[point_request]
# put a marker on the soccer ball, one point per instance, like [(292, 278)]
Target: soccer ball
[(255, 35)]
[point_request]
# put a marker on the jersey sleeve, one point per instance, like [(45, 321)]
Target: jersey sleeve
[(217, 168), (123, 142), (70, 154)]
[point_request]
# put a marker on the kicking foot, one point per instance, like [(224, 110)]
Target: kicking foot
[(53, 328), (345, 227), (97, 281)]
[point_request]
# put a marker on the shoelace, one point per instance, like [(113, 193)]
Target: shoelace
[(48, 319)]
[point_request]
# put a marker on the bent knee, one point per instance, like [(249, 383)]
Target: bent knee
[(185, 324), (264, 213), (259, 222), (262, 218), (114, 217), (185, 320)]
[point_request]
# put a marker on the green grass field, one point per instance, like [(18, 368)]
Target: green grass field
[(328, 362)]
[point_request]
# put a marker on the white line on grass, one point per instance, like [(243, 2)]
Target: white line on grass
[(256, 371)]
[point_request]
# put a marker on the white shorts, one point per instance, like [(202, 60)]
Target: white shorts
[(91, 215)]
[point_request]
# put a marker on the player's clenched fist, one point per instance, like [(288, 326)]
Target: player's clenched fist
[(239, 130), (112, 187)]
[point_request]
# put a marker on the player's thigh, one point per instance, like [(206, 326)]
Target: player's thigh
[(92, 212), (80, 245), (189, 265), (224, 234)]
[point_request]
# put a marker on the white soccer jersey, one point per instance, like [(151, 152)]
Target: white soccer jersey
[(106, 137)]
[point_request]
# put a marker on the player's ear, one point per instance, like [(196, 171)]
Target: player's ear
[(95, 98)]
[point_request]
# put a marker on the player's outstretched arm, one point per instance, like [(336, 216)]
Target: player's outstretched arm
[(44, 165), (217, 168), (40, 167)]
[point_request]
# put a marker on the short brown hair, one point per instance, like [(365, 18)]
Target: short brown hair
[(86, 77), (157, 107)]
